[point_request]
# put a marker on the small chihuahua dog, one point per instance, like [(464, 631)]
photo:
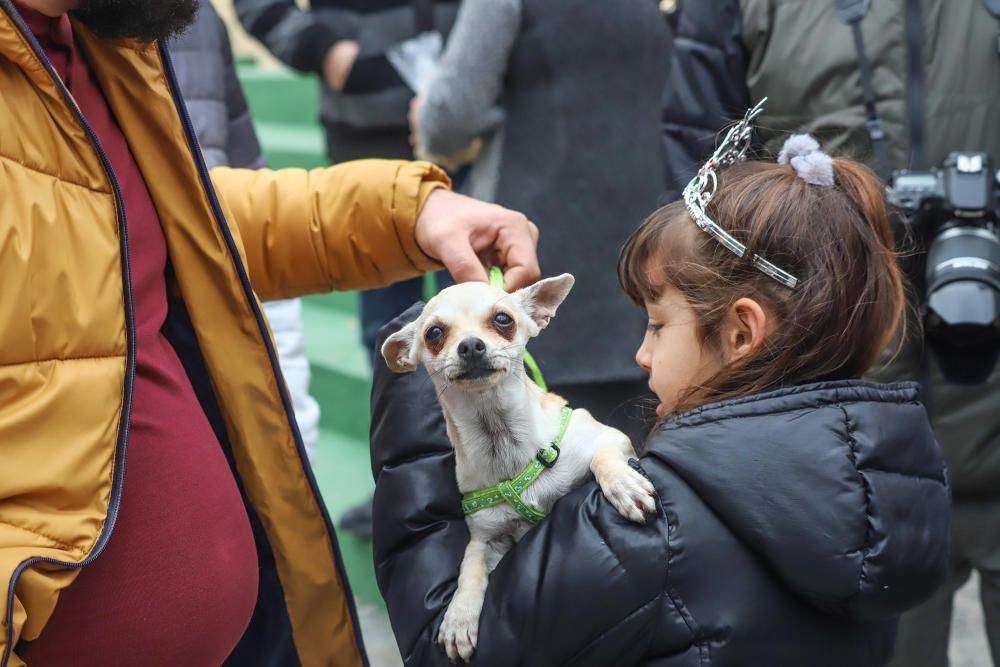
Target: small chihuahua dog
[(471, 339)]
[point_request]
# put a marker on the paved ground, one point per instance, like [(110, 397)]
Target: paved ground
[(379, 642), (968, 646), (968, 639)]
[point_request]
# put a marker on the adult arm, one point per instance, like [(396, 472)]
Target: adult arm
[(366, 224), (706, 86), (299, 38), (350, 226), (462, 102), (585, 587)]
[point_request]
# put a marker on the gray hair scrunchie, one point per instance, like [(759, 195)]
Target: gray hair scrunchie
[(812, 165)]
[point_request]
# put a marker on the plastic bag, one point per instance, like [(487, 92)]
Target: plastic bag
[(416, 60)]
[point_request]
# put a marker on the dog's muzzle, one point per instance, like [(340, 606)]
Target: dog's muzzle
[(475, 363)]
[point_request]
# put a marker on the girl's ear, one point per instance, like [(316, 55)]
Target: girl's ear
[(744, 330)]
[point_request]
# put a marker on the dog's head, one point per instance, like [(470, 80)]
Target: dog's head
[(473, 334)]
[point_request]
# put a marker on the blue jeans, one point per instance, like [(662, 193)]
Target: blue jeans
[(379, 306)]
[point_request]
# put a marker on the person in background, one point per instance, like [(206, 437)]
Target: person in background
[(363, 109), (156, 507), (565, 96), (203, 63), (935, 81)]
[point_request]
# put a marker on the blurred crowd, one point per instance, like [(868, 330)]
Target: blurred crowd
[(583, 115)]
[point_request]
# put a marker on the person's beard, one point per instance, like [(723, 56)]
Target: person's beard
[(145, 20)]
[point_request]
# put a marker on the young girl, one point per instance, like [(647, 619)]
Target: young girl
[(802, 509)]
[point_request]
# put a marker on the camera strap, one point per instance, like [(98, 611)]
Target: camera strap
[(851, 12), (915, 64)]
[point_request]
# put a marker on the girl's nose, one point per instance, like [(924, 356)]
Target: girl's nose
[(642, 357)]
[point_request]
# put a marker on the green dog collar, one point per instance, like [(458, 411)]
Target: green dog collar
[(509, 490)]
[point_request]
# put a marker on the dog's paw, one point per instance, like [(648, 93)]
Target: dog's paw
[(459, 630), (630, 493)]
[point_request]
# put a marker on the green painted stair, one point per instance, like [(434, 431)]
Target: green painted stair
[(285, 108)]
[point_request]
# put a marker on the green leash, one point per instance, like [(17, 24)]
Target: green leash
[(509, 490), (496, 282)]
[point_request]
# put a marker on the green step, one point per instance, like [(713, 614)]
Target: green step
[(346, 302), (343, 472), (341, 373), (292, 145), (276, 94), (333, 339), (285, 108)]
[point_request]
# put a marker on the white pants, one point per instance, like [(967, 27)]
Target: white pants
[(285, 318)]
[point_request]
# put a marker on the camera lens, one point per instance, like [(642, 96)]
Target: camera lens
[(963, 285)]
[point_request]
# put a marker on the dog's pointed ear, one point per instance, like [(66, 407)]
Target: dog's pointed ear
[(541, 300), (400, 351)]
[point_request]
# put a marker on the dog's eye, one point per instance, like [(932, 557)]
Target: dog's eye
[(503, 320), (433, 334)]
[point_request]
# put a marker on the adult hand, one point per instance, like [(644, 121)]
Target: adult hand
[(338, 63), (466, 235), (416, 104)]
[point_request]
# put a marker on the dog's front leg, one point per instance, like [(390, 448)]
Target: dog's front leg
[(496, 549), (460, 627), (630, 493)]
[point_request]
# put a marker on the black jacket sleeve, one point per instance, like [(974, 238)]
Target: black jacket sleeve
[(299, 38), (584, 587), (706, 86)]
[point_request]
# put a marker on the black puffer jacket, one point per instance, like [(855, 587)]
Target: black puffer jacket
[(794, 527)]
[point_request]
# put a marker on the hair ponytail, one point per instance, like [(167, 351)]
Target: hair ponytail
[(835, 238), (862, 186)]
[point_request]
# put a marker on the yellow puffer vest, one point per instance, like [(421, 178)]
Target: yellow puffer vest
[(66, 330)]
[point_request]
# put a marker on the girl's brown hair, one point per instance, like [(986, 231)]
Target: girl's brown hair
[(836, 240)]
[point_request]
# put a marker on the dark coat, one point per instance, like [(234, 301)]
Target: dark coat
[(578, 158), (203, 64), (793, 528), (731, 51), (566, 96), (368, 118)]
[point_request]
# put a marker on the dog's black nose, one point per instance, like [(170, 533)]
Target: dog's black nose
[(471, 349)]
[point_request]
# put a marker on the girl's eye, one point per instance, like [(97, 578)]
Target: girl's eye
[(433, 334), (503, 320), (654, 328)]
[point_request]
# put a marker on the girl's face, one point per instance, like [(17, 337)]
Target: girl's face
[(672, 352)]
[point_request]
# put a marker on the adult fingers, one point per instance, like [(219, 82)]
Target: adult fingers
[(521, 258), (460, 259)]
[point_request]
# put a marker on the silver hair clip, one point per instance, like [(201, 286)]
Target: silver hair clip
[(700, 191)]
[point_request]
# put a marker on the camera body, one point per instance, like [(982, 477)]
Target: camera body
[(953, 211)]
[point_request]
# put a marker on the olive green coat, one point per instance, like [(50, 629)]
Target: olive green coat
[(799, 55)]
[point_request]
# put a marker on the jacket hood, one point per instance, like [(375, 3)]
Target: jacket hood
[(839, 487)]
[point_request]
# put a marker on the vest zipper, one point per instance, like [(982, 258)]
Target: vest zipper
[(199, 160), (118, 478)]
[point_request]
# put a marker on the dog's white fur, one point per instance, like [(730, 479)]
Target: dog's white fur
[(498, 423)]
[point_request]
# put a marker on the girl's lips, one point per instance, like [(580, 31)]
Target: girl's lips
[(660, 410)]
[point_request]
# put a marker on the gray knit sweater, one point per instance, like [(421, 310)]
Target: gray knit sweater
[(463, 103)]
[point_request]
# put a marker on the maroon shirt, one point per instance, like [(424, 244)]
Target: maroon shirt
[(177, 583)]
